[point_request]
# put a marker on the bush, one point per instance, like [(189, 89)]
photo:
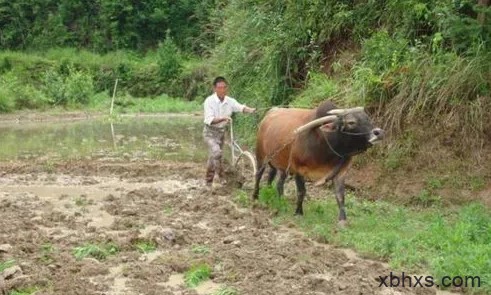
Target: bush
[(6, 103), (17, 95), (79, 87), (195, 81), (169, 60), (74, 87)]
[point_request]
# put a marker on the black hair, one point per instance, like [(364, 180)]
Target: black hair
[(219, 79)]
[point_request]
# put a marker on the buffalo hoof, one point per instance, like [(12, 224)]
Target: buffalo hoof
[(298, 213), (342, 224)]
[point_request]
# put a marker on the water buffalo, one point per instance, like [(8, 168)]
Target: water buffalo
[(313, 144)]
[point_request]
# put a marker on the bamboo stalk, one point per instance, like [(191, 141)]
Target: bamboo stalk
[(114, 94)]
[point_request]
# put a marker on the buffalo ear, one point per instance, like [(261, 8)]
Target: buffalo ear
[(328, 127)]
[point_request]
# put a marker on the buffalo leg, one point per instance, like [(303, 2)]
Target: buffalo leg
[(271, 174), (301, 191), (259, 175), (281, 183), (339, 189)]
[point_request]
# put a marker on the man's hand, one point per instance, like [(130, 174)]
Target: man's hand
[(221, 119), (249, 110)]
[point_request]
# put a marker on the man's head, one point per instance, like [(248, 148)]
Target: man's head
[(220, 87)]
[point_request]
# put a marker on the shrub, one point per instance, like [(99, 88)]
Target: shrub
[(74, 87), (169, 60)]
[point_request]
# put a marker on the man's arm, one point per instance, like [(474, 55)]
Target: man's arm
[(238, 107)]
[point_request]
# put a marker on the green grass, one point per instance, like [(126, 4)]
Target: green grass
[(196, 275), (47, 251), (81, 201), (145, 246), (225, 290), (268, 196), (242, 199), (318, 88), (24, 291), (433, 239), (6, 264), (127, 104), (99, 252), (167, 210), (163, 104), (200, 249)]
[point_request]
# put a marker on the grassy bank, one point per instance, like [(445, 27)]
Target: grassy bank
[(435, 240), (158, 81), (160, 104)]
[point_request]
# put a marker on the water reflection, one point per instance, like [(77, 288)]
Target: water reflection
[(139, 138)]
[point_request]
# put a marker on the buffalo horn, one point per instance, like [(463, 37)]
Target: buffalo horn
[(345, 111), (315, 123)]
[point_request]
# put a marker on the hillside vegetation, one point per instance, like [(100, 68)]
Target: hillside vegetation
[(421, 68)]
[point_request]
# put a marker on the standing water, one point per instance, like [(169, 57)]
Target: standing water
[(138, 138)]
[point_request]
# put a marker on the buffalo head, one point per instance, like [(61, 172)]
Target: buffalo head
[(345, 131)]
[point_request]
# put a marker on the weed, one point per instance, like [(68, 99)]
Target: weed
[(200, 249), (242, 199), (269, 197), (435, 183), (95, 251), (6, 264), (477, 183), (6, 102), (81, 201), (225, 290), (49, 166), (167, 210), (46, 253), (145, 246), (24, 291), (197, 274), (426, 199)]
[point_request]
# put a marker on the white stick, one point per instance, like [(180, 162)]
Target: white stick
[(232, 141), (114, 94)]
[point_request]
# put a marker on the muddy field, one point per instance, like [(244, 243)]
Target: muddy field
[(51, 206)]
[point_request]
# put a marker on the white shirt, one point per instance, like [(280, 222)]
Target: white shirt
[(215, 108)]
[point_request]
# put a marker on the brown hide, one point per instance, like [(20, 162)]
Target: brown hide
[(277, 129)]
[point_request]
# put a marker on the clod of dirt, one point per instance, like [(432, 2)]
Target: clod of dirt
[(168, 234), (129, 212), (3, 287), (54, 267), (110, 198), (92, 267), (11, 272), (230, 240), (5, 248)]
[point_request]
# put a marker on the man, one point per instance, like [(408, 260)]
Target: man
[(218, 109)]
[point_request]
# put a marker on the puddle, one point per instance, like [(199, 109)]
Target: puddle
[(142, 138)]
